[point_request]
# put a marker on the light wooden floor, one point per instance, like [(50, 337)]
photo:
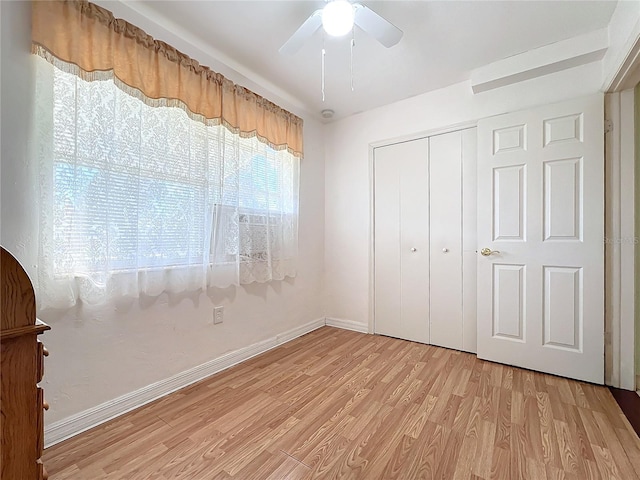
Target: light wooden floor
[(340, 404)]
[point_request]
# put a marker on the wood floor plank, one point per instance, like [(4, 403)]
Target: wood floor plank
[(517, 407), (557, 407), (449, 458), (500, 464), (336, 404), (395, 468), (517, 457), (591, 427), (503, 420), (426, 452), (484, 454), (614, 446), (569, 454), (550, 451), (605, 463), (466, 458), (532, 427), (631, 445), (579, 433)]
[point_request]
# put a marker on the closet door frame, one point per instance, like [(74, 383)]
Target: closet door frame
[(372, 147)]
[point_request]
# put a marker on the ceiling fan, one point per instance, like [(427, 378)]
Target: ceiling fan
[(337, 18)]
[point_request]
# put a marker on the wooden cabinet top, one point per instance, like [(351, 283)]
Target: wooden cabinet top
[(18, 300)]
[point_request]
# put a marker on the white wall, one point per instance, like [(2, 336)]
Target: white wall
[(624, 32), (347, 167), (100, 353)]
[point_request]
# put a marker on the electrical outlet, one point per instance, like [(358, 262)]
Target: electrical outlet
[(218, 314)]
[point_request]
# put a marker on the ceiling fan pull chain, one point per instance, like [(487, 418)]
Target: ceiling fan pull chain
[(353, 44), (323, 55)]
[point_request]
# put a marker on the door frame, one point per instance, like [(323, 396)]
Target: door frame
[(372, 146), (619, 240), (620, 282)]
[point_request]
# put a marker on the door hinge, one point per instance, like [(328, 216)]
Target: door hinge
[(608, 126)]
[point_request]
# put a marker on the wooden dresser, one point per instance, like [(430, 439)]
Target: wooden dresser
[(21, 400)]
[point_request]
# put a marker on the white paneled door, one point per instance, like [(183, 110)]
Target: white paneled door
[(540, 239)]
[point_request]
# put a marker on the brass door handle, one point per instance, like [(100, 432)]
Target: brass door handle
[(487, 251)]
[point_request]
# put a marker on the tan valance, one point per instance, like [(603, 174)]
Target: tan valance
[(89, 41)]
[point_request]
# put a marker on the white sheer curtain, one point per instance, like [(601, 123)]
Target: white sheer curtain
[(140, 200)]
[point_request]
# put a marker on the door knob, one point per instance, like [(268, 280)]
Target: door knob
[(445, 250), (414, 249), (487, 251)]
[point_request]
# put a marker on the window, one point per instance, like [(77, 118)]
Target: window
[(142, 199)]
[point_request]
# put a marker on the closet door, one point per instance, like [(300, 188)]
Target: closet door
[(445, 170), (425, 240), (401, 240), (452, 267)]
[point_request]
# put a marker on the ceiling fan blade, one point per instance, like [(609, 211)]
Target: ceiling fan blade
[(376, 26), (305, 31)]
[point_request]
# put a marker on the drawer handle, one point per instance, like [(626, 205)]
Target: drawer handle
[(45, 352), (45, 405)]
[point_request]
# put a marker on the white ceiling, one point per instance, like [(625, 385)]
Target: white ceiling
[(443, 42)]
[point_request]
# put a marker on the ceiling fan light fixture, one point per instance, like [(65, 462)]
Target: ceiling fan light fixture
[(338, 17)]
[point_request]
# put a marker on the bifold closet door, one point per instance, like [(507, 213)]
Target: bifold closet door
[(445, 213), (401, 240), (425, 223), (452, 265)]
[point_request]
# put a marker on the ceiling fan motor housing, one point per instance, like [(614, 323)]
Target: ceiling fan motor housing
[(338, 17)]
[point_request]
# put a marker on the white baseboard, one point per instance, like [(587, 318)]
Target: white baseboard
[(347, 325), (80, 422)]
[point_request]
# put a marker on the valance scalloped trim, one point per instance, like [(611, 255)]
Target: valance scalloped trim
[(98, 75), (82, 38)]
